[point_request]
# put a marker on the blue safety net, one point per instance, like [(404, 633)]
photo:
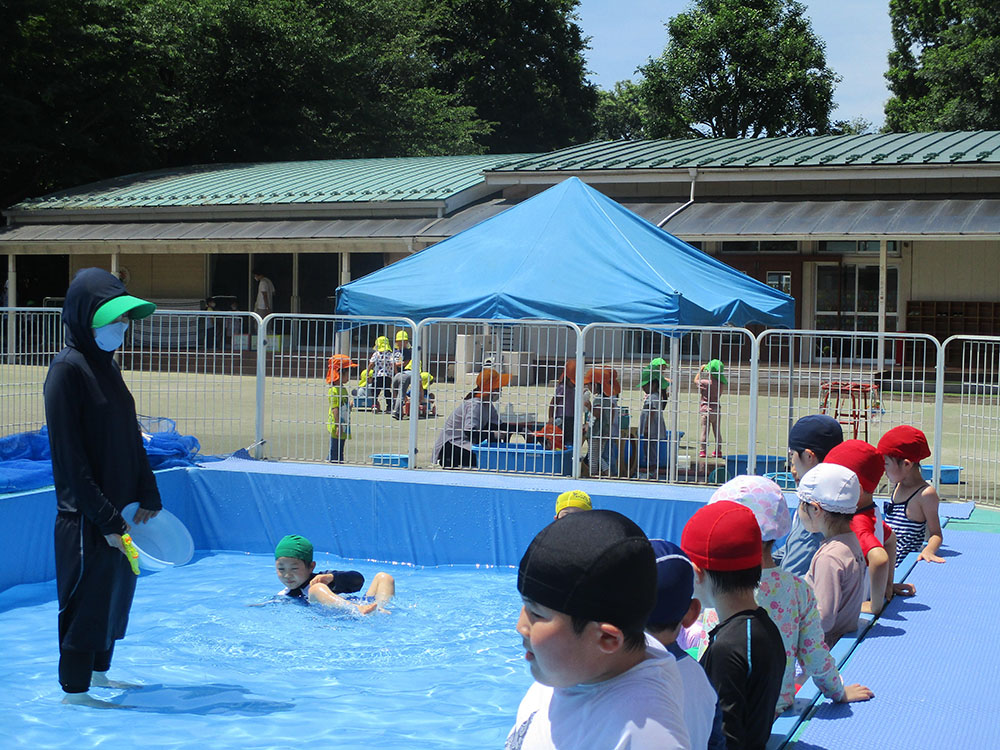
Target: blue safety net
[(26, 463)]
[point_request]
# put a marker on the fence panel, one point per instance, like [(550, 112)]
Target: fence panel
[(197, 369), (869, 383), (297, 398), (970, 454), (695, 428), (29, 339), (533, 355)]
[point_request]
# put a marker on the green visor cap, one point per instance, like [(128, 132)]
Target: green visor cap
[(113, 308)]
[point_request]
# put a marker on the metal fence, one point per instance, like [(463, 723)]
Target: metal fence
[(868, 382), (971, 418), (299, 391), (233, 380)]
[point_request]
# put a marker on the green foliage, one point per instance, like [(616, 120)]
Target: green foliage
[(739, 68), (520, 65), (944, 70), (854, 126), (96, 88), (620, 113)]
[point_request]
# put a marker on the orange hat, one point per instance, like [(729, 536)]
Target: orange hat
[(607, 377), (570, 372), (489, 380), (334, 365)]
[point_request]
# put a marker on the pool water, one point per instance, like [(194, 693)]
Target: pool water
[(444, 670)]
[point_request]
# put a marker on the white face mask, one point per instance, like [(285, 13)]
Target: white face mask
[(111, 336)]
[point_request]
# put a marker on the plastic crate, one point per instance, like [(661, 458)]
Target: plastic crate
[(390, 459), (663, 451), (528, 458), (783, 479), (949, 474), (737, 464)]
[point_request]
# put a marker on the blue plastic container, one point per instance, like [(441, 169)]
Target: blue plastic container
[(663, 451), (390, 459), (528, 458), (737, 464), (783, 479), (949, 474)]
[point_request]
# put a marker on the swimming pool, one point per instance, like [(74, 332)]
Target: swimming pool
[(444, 670)]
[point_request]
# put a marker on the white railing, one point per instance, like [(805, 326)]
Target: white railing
[(218, 379)]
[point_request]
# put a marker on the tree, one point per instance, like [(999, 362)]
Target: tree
[(620, 112), (91, 89), (737, 69), (520, 65), (855, 126), (943, 69)]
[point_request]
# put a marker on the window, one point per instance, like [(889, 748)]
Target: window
[(761, 246), (858, 247), (780, 280), (847, 300)]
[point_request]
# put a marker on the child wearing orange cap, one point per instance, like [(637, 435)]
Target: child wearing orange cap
[(745, 659), (604, 387), (878, 543), (338, 418), (914, 519), (475, 419), (563, 402)]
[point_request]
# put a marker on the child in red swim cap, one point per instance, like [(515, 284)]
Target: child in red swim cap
[(913, 512)]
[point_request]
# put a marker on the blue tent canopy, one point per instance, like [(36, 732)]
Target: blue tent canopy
[(569, 253)]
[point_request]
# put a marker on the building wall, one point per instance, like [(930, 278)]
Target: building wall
[(967, 271), (154, 276)]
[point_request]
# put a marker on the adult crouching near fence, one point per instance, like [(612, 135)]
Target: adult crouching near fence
[(476, 419), (100, 466)]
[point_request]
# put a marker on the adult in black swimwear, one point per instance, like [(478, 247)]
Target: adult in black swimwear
[(100, 466)]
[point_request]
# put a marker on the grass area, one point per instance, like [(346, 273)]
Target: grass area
[(219, 408)]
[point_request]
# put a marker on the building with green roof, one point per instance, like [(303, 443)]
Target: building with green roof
[(816, 216)]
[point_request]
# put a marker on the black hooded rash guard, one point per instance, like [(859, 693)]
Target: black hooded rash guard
[(99, 465)]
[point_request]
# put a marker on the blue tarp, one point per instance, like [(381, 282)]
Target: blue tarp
[(569, 253), (26, 462)]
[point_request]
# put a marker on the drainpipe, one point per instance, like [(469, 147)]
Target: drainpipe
[(693, 173)]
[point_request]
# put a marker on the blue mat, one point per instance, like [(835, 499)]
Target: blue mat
[(927, 661)]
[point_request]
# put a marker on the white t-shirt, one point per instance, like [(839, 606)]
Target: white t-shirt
[(265, 286), (641, 709), (700, 699)]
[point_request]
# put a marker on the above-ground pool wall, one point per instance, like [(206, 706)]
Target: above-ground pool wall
[(389, 515), (27, 524), (424, 518)]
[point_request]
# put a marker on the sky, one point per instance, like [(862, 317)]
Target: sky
[(626, 33)]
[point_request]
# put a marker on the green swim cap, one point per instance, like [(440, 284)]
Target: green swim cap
[(294, 545)]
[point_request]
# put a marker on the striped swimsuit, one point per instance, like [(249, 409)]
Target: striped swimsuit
[(910, 535)]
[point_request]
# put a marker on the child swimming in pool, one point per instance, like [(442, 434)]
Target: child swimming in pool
[(293, 561)]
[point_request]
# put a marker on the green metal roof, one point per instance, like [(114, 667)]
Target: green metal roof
[(891, 149), (424, 178)]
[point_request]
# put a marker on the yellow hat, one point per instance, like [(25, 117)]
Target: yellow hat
[(402, 336), (426, 379), (382, 344), (573, 499)]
